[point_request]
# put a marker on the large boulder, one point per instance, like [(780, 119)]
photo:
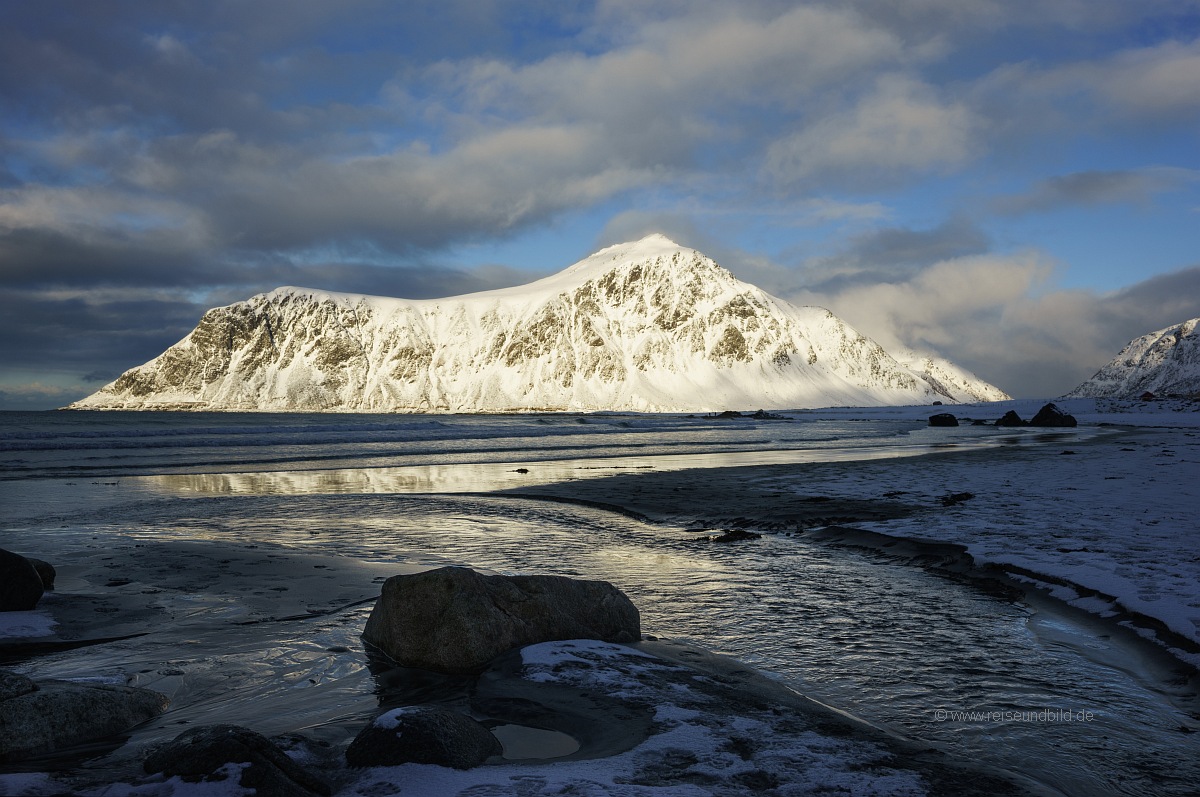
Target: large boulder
[(20, 585), (1011, 418), (49, 715), (1052, 416), (943, 419), (422, 735), (456, 620), (45, 571), (222, 752)]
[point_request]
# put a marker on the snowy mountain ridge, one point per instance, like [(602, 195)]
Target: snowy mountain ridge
[(644, 326), (1165, 363)]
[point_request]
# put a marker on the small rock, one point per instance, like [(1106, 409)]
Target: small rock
[(20, 585), (734, 535), (943, 419), (205, 753), (422, 735), (954, 499)]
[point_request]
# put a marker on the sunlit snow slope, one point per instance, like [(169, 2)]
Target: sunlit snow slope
[(644, 326), (1165, 363)]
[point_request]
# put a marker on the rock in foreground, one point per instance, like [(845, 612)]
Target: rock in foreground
[(224, 752), (50, 715), (456, 620), (21, 586), (422, 735)]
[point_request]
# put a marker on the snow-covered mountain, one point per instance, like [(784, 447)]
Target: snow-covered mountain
[(643, 326), (1165, 363)]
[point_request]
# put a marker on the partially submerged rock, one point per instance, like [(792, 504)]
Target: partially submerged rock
[(222, 752), (456, 620), (733, 535), (56, 714), (943, 419), (20, 585), (422, 735), (1011, 418)]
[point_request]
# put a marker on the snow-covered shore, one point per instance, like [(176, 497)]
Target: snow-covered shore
[(1108, 506), (1116, 515)]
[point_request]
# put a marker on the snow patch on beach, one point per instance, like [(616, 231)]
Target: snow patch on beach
[(33, 623), (700, 745), (1115, 515)]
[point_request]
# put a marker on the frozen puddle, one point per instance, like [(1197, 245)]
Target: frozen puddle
[(522, 743)]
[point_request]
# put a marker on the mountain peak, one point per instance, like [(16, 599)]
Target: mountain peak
[(645, 326), (648, 248), (1165, 362), (654, 243)]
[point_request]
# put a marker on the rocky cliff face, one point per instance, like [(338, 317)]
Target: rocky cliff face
[(646, 326), (1166, 363)]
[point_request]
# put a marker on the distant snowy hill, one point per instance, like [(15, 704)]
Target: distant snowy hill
[(643, 326), (1165, 363)]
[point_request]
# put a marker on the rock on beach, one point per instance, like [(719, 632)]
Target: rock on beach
[(40, 717), (21, 586), (222, 752), (422, 735), (455, 620)]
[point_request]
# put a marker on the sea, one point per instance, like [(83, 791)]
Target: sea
[(897, 645)]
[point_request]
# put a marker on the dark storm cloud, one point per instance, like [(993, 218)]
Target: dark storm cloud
[(1158, 302), (955, 237), (41, 258), (1095, 188), (42, 330), (893, 254)]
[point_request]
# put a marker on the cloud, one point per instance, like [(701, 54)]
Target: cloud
[(1095, 188), (159, 158), (38, 396), (1135, 89), (900, 128), (998, 316), (888, 255)]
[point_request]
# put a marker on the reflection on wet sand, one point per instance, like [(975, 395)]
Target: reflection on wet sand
[(482, 477)]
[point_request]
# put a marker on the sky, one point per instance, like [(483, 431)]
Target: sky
[(1011, 184)]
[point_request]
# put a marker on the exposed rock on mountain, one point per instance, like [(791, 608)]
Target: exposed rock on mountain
[(644, 326), (1165, 363)]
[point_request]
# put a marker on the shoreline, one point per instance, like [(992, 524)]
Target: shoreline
[(697, 500), (877, 506), (696, 690)]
